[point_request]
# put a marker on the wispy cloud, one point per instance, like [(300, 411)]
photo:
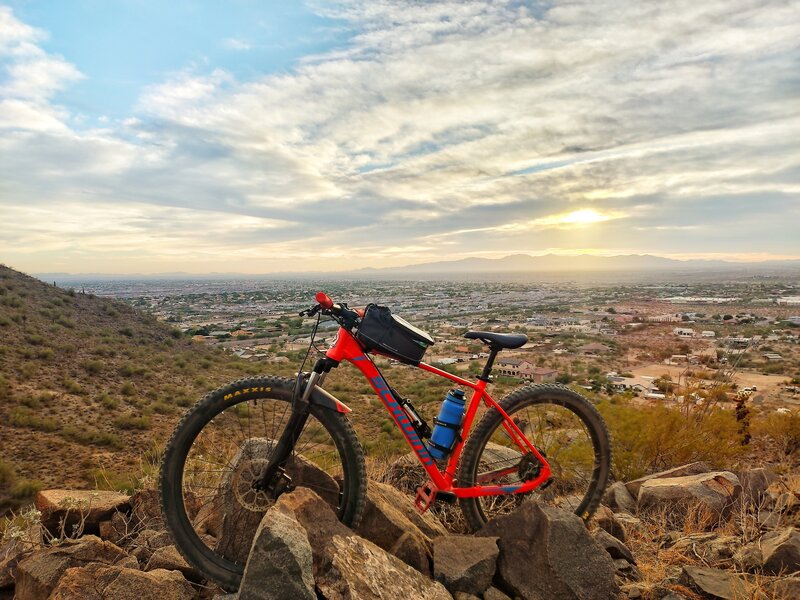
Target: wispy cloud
[(446, 129)]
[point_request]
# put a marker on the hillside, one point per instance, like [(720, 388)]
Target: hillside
[(88, 386)]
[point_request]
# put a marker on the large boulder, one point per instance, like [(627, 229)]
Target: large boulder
[(755, 483), (715, 491), (464, 563), (605, 519), (280, 565), (168, 558), (360, 570), (38, 574), (694, 468), (780, 551), (715, 583), (347, 566), (101, 582), (78, 511), (147, 542), (547, 552), (391, 522), (237, 520), (21, 541), (615, 548), (619, 499)]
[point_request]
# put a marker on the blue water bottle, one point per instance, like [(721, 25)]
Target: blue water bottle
[(447, 425)]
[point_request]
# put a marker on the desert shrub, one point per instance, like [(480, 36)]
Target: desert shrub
[(24, 417), (72, 386), (93, 437), (129, 370), (107, 401), (129, 421), (44, 354), (35, 340), (5, 388), (163, 408), (23, 489), (93, 367), (781, 431), (647, 439), (127, 389)]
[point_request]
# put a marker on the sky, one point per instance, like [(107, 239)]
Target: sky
[(139, 136)]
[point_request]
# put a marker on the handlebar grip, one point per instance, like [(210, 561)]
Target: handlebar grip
[(324, 300)]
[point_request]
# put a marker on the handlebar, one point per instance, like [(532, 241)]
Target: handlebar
[(347, 317), (324, 300)]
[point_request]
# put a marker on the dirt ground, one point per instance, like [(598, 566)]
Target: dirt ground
[(771, 387)]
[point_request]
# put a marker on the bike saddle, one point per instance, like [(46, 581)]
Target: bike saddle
[(501, 340)]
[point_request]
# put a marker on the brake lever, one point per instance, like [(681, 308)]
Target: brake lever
[(310, 312)]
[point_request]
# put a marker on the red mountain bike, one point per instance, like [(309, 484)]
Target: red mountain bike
[(240, 447)]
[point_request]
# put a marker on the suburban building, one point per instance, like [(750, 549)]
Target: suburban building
[(593, 349), (511, 367), (683, 332)]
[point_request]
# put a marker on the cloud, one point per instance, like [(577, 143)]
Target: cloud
[(501, 119)]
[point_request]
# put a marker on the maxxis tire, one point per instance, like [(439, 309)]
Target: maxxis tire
[(216, 568), (531, 395)]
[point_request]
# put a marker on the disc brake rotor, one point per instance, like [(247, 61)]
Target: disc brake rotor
[(244, 490)]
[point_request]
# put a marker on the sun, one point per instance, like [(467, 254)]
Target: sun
[(584, 216)]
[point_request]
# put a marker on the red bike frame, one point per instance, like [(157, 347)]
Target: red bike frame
[(347, 348)]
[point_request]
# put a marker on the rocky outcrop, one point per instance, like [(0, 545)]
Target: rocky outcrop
[(619, 499), (38, 574), (755, 483), (534, 542), (345, 565), (694, 468), (605, 519), (391, 522), (65, 510), (100, 582), (715, 583), (168, 558), (465, 563), (360, 570), (714, 491), (280, 564), (777, 552)]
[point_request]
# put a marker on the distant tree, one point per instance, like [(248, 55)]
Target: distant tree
[(611, 310), (564, 378)]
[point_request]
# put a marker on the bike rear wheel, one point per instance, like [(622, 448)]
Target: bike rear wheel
[(221, 447), (565, 427)]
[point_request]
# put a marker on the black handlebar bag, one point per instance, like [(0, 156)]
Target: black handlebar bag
[(389, 334)]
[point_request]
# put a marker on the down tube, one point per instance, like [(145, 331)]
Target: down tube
[(380, 386)]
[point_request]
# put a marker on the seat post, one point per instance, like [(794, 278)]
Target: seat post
[(487, 368)]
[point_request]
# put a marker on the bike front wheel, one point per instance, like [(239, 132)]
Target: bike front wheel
[(209, 497), (564, 427)]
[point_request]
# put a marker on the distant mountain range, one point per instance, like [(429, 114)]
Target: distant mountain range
[(515, 263)]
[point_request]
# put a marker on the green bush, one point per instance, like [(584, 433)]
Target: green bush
[(93, 437), (129, 421), (648, 439), (107, 402), (23, 417), (127, 389), (93, 367)]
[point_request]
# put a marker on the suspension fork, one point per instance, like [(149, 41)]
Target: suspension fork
[(274, 477)]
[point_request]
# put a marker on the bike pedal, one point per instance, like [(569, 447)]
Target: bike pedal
[(546, 484), (426, 496)]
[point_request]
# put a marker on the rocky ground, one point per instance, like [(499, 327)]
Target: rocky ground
[(687, 533)]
